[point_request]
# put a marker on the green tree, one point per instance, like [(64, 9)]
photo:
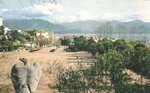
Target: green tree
[(15, 35), (1, 30), (79, 42), (66, 41)]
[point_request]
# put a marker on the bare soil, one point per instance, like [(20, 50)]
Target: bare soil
[(45, 58)]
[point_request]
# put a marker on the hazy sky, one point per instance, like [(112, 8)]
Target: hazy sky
[(74, 10)]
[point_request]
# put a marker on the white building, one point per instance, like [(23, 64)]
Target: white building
[(30, 45), (6, 30), (49, 35), (18, 30), (1, 21), (44, 34)]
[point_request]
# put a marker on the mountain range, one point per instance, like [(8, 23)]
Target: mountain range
[(88, 26)]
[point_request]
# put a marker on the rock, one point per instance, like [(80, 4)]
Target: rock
[(25, 78), (52, 50)]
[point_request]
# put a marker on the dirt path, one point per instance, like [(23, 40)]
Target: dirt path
[(44, 57)]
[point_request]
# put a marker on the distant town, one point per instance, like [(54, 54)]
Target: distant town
[(12, 39)]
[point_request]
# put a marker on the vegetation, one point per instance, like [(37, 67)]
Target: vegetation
[(12, 40), (66, 41), (108, 73)]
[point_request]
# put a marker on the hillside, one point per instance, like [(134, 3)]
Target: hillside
[(131, 27), (91, 26), (29, 24), (88, 26)]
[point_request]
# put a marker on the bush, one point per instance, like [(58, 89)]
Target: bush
[(113, 58)]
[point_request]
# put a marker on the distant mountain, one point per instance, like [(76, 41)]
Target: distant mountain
[(29, 24), (88, 26), (131, 27), (85, 26), (91, 26)]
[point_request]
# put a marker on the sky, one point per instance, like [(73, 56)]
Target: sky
[(76, 10)]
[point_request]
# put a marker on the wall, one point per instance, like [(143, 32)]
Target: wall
[(1, 21)]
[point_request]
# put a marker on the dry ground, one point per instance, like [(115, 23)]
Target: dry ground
[(45, 58)]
